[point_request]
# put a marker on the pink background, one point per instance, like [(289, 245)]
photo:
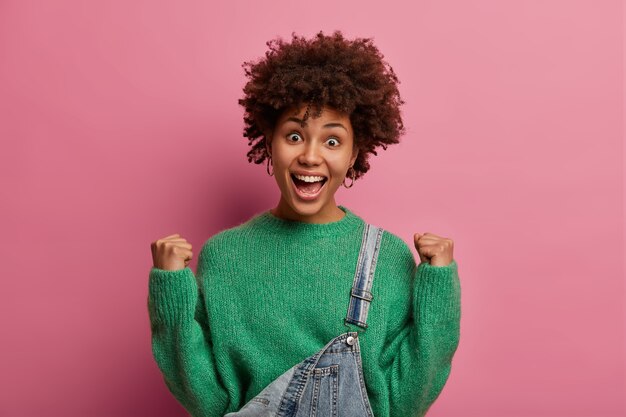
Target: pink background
[(120, 124)]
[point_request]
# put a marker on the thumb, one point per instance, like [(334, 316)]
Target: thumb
[(416, 237)]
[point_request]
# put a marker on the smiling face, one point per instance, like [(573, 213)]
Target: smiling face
[(322, 151)]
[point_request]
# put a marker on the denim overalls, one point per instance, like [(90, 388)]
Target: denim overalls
[(330, 382)]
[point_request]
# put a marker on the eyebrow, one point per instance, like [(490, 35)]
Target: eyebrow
[(295, 119)]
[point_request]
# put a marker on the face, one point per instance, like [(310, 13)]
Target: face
[(322, 150)]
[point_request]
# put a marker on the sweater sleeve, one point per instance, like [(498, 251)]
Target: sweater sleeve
[(181, 343), (423, 363)]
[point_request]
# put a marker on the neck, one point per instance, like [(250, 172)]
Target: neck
[(331, 213)]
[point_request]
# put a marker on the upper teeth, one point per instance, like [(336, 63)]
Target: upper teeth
[(308, 178)]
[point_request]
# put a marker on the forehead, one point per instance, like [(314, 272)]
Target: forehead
[(327, 114)]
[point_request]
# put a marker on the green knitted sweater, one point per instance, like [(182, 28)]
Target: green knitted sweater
[(270, 292)]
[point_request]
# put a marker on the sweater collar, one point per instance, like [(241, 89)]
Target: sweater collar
[(348, 223)]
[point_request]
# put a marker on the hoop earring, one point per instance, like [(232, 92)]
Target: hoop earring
[(269, 160), (351, 176)]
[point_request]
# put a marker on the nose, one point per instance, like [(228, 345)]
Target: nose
[(310, 155)]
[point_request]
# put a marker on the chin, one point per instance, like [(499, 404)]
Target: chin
[(304, 208), (307, 210)]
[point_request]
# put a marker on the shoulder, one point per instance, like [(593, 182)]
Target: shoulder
[(394, 243), (393, 247), (395, 250), (230, 239)]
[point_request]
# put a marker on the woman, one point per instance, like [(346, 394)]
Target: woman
[(306, 309)]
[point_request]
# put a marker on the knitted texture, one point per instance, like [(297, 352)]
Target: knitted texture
[(270, 292)]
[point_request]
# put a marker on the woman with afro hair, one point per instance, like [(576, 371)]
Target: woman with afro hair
[(306, 309)]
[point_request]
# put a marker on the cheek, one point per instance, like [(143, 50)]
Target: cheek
[(283, 184), (339, 166), (279, 162), (282, 157)]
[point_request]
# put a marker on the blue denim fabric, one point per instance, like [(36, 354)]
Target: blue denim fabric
[(330, 382)]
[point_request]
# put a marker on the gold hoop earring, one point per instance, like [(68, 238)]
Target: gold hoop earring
[(269, 161), (351, 176)]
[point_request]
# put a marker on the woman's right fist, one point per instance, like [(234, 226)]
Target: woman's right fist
[(171, 253)]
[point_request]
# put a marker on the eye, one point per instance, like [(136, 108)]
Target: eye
[(292, 133), (335, 140)]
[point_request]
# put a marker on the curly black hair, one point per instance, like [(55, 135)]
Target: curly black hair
[(348, 76)]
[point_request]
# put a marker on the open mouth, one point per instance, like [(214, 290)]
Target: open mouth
[(308, 188)]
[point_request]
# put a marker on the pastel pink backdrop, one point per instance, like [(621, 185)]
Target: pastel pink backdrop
[(120, 124)]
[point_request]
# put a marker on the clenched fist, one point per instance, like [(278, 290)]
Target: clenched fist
[(433, 249), (171, 253)]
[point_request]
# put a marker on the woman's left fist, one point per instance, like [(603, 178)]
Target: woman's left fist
[(433, 249)]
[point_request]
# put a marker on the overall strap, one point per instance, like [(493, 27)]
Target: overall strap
[(360, 295)]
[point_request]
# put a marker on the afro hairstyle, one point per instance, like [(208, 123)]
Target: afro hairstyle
[(348, 76)]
